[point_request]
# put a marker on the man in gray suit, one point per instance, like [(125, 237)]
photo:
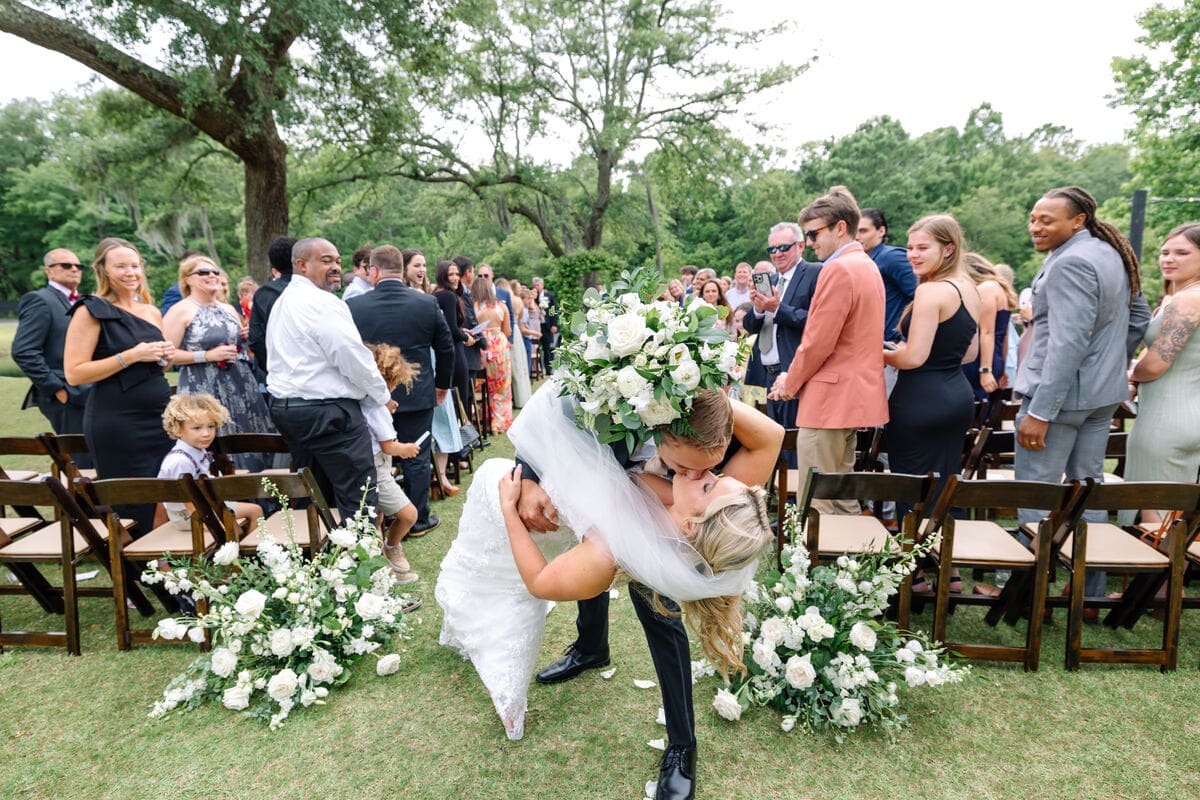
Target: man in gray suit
[(37, 347), (1088, 315)]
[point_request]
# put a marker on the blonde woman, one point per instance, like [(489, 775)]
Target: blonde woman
[(997, 299), (115, 340)]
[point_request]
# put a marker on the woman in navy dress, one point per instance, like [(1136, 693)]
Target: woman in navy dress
[(997, 299)]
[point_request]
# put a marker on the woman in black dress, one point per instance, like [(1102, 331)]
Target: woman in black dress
[(115, 340), (933, 404), (448, 293)]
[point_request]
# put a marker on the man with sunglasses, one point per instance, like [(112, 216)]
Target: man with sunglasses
[(779, 318), (38, 345), (837, 372)]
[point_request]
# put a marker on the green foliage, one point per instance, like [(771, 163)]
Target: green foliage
[(575, 273)]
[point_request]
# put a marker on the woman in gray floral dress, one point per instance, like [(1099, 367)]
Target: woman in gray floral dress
[(210, 342)]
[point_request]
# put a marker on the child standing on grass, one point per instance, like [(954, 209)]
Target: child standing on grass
[(192, 421), (393, 502)]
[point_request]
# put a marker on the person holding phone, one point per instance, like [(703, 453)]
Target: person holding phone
[(781, 311)]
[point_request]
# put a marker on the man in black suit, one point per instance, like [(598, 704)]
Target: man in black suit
[(279, 253), (546, 301), (779, 318), (37, 347), (398, 315)]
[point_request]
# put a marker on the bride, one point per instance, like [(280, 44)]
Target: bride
[(696, 539)]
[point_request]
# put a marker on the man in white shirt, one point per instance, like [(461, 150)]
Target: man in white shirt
[(739, 293), (320, 370)]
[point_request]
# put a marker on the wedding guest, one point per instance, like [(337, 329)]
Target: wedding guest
[(415, 272), (192, 421), (546, 301), (37, 346), (320, 370), (531, 323), (360, 281), (986, 372), (210, 352), (450, 301), (676, 291), (1164, 444), (739, 291), (712, 294), (115, 341), (279, 253), (246, 288), (899, 282), (518, 354), (498, 364)]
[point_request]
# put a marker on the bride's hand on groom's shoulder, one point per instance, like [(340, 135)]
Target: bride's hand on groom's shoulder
[(534, 506)]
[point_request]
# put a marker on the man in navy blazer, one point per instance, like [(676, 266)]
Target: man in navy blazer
[(779, 319), (37, 347), (401, 316)]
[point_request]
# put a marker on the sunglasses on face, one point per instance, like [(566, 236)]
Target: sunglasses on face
[(811, 236), (781, 248), (204, 272), (68, 265)]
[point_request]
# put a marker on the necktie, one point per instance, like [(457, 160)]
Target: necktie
[(73, 296)]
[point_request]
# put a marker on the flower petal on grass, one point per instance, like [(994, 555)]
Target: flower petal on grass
[(641, 684), (614, 594), (661, 719), (651, 789), (608, 673), (658, 744)]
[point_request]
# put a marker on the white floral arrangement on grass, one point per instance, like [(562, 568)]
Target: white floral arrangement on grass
[(284, 629), (635, 362), (819, 649)]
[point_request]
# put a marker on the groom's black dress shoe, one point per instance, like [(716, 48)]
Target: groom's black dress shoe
[(677, 773), (570, 665)]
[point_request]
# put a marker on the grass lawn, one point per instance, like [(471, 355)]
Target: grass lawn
[(76, 726)]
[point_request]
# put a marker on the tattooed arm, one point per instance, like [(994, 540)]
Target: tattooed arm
[(1180, 320)]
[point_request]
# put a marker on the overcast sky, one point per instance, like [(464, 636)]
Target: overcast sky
[(926, 63)]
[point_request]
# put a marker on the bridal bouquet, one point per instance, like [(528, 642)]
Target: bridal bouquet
[(285, 629), (634, 362), (819, 650)]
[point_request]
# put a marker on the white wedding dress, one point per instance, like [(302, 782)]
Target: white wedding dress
[(488, 614)]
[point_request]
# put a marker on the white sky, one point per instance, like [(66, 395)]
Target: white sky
[(926, 63)]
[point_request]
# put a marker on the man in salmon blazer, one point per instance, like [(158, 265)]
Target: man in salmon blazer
[(837, 372)]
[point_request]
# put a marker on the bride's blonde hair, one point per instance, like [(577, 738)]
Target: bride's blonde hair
[(731, 533)]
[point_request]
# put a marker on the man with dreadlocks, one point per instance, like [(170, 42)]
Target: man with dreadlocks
[(1088, 315)]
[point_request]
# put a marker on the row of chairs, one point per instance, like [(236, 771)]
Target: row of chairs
[(1063, 537), (67, 517)]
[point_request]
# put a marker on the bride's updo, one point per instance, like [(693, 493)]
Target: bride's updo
[(731, 533)]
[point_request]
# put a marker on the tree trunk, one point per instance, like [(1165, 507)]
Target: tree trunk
[(594, 232), (654, 225), (266, 205)]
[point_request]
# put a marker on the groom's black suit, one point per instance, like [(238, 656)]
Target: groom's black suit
[(665, 635)]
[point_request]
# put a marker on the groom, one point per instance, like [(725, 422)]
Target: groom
[(711, 419)]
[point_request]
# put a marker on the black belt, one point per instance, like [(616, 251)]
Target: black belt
[(297, 402), (772, 369)]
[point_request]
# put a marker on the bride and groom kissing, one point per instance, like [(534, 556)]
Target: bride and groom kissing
[(572, 515)]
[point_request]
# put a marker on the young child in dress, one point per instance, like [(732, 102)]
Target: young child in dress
[(192, 421), (396, 370)]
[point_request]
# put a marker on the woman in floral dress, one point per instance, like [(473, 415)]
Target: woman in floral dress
[(496, 357)]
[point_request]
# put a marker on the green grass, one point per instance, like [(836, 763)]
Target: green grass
[(8, 367), (76, 726)]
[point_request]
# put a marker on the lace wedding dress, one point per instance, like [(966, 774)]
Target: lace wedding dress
[(488, 614)]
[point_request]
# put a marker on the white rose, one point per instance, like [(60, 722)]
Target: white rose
[(224, 662), (933, 678), (862, 636), (196, 635), (236, 698), (169, 629), (388, 664), (343, 538), (727, 705), (687, 375), (596, 351), (658, 412), (626, 333), (369, 606), (307, 698), (630, 300), (847, 585), (914, 646), (787, 724), (849, 713), (678, 354), (250, 604), (282, 685), (914, 676), (784, 604), (765, 656), (799, 672), (324, 669), (774, 630), (226, 554), (630, 383), (281, 642), (905, 656)]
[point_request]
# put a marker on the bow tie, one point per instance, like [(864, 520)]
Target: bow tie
[(73, 296)]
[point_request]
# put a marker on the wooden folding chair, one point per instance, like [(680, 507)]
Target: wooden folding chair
[(783, 479), (231, 444), (26, 446), (65, 542), (828, 536), (129, 555), (61, 449), (982, 544), (1103, 545), (309, 526)]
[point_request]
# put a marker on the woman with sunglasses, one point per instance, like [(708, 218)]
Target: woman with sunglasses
[(210, 341)]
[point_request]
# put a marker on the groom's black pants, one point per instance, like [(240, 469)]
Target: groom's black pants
[(669, 650)]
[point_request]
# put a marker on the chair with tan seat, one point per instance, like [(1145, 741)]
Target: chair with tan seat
[(67, 540), (984, 545), (231, 444), (28, 447), (1104, 545), (129, 555), (310, 525), (62, 448)]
